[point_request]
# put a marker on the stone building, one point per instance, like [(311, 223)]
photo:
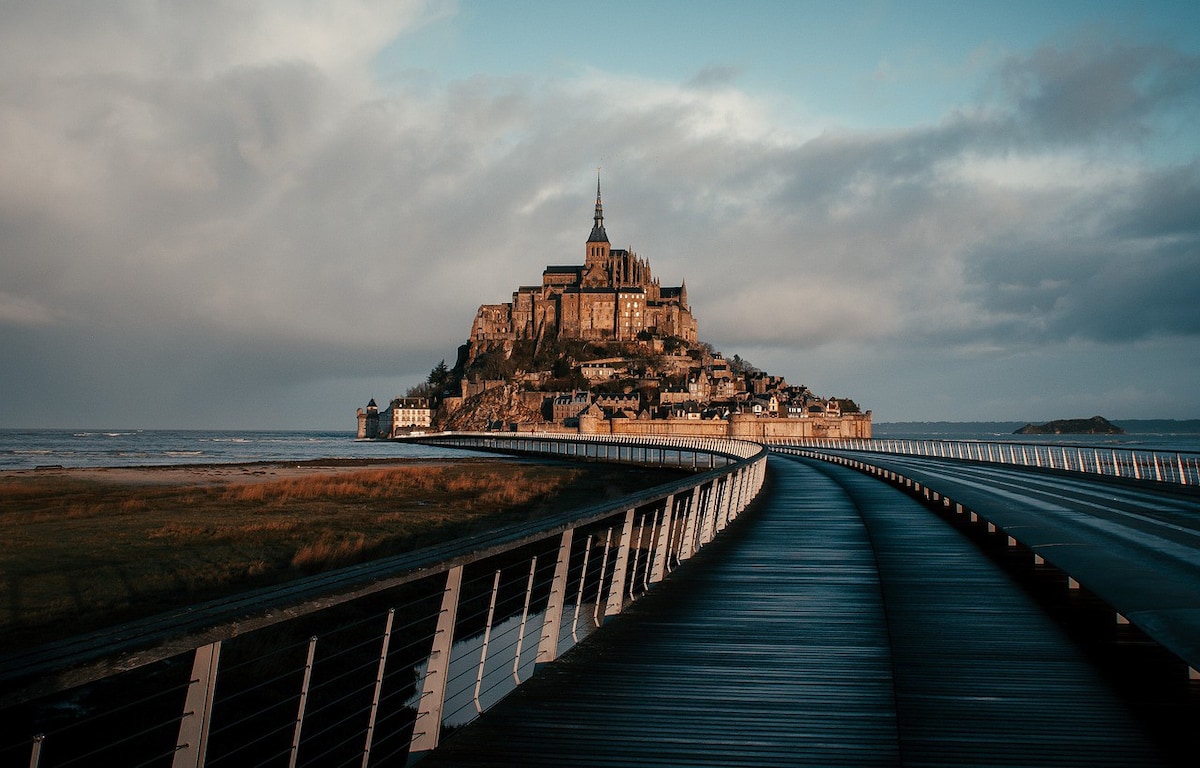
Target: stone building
[(613, 296), (368, 421), (405, 414), (570, 404)]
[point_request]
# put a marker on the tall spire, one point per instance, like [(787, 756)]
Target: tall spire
[(598, 234)]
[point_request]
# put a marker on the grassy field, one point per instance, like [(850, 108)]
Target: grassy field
[(86, 548)]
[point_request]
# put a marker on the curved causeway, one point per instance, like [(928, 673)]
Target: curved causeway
[(838, 622)]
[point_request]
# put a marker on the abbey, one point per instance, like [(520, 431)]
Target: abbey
[(604, 348), (613, 296)]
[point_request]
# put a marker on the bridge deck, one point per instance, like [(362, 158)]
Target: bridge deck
[(1135, 546), (838, 623)]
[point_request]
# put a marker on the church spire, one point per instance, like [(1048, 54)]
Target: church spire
[(598, 234)]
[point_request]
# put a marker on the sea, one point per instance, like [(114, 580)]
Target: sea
[(33, 448)]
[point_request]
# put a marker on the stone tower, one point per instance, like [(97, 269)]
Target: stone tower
[(595, 265), (368, 421)]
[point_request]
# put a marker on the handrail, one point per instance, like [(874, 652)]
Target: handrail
[(600, 556), (1163, 620), (1177, 467)]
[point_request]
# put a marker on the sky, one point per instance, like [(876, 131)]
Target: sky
[(220, 214)]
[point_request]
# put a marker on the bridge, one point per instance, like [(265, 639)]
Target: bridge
[(964, 610)]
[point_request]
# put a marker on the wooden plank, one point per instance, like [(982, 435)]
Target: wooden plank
[(837, 623), (982, 674), (767, 648)]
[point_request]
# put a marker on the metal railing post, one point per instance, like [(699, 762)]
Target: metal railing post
[(723, 500), (603, 573), (433, 689), (308, 667), (708, 525), (637, 552), (687, 543), (35, 751), (616, 591), (383, 652), (659, 568), (197, 708), (487, 638), (524, 619), (587, 553), (552, 623)]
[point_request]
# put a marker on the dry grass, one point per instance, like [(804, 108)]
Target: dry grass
[(96, 551)]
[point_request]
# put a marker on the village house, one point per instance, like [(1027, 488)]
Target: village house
[(404, 414), (570, 405), (614, 402)]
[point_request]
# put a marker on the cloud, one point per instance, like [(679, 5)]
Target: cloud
[(1097, 88), (23, 311), (177, 38), (226, 192)]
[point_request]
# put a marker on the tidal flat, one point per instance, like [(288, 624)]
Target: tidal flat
[(87, 548)]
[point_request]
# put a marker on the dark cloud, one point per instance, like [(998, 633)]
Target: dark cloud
[(715, 75), (1161, 203), (1115, 264), (1097, 89)]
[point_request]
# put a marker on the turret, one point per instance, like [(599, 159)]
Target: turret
[(368, 421), (598, 246)]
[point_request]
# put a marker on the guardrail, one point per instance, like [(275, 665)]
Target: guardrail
[(369, 665), (1177, 467), (684, 452), (1012, 538)]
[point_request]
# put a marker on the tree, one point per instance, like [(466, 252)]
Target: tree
[(439, 378), (673, 344), (420, 390), (738, 366)]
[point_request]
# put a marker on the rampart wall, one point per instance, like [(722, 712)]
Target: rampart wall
[(759, 429)]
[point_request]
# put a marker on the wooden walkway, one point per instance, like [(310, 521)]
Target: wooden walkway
[(837, 623)]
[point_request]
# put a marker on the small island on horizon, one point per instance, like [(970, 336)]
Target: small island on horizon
[(1097, 425)]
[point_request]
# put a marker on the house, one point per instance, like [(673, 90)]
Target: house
[(570, 405), (404, 414), (613, 402), (690, 411)]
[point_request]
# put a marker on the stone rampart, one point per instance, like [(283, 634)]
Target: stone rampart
[(759, 429)]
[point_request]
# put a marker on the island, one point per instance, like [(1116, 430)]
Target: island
[(606, 348), (1097, 425)]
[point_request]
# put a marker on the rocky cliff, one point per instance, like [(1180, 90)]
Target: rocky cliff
[(496, 408)]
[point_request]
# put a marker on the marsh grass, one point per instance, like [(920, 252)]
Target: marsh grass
[(80, 553)]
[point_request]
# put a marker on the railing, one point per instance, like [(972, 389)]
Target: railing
[(687, 452), (1013, 536), (1181, 468), (369, 665)]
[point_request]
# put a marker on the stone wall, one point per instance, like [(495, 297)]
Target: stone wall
[(740, 426)]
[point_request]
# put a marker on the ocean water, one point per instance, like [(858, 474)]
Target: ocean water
[(28, 449)]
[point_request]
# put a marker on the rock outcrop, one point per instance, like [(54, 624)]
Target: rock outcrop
[(495, 408), (1097, 425)]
